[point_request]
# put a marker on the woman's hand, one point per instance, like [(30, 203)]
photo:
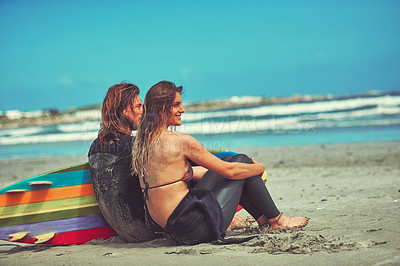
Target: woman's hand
[(254, 161), (258, 164)]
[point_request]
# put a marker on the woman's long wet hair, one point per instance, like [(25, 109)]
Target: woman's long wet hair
[(113, 120), (156, 112)]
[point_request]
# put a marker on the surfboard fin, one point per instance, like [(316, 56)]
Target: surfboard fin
[(264, 176), (16, 191), (17, 236), (43, 238), (40, 183)]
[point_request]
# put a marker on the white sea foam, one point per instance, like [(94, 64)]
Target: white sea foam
[(246, 126), (245, 99), (360, 113), (15, 132), (299, 122), (309, 123), (296, 118), (299, 108), (16, 114), (81, 126), (49, 138), (87, 114)]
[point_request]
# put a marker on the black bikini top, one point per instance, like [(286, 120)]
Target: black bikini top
[(187, 177)]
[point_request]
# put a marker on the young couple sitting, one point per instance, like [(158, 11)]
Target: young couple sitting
[(149, 179)]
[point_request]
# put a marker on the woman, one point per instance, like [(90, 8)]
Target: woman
[(203, 213)]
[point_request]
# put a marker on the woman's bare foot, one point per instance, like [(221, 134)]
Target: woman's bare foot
[(262, 220), (282, 221)]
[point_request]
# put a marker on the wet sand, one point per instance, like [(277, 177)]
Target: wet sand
[(350, 192)]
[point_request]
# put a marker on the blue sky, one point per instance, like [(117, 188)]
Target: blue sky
[(61, 54)]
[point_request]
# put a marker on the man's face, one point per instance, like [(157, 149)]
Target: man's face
[(134, 111)]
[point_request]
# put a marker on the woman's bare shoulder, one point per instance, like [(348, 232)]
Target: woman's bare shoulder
[(180, 140), (179, 136), (172, 140)]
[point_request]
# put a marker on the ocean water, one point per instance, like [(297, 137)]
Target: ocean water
[(354, 119)]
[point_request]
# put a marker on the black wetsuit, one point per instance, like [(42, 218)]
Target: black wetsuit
[(207, 210), (117, 191)]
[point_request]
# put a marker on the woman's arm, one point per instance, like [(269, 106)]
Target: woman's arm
[(196, 152), (199, 172)]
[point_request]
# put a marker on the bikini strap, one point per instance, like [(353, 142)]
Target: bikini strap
[(165, 184), (146, 189), (188, 176)]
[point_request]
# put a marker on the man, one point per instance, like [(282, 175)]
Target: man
[(117, 191)]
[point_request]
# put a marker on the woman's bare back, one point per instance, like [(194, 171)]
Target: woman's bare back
[(166, 164)]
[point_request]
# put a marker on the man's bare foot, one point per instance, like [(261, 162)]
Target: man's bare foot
[(240, 223), (282, 221)]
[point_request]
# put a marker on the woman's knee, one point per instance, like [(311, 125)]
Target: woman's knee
[(243, 158)]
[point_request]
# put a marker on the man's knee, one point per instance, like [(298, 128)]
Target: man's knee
[(226, 158), (243, 158)]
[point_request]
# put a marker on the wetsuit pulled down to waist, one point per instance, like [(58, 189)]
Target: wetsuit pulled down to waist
[(197, 218)]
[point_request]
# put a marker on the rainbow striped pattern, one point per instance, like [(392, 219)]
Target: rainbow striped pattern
[(56, 208)]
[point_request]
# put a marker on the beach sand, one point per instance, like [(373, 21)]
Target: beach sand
[(350, 192)]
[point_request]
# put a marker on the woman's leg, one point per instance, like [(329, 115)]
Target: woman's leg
[(208, 182), (257, 193), (229, 193), (254, 197)]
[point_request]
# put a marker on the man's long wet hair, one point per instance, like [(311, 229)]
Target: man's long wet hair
[(156, 112), (113, 121)]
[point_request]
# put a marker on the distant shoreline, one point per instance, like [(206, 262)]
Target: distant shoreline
[(16, 119)]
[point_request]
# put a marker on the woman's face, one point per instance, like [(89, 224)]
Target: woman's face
[(176, 111)]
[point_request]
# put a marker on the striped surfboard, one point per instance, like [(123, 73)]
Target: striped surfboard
[(56, 208)]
